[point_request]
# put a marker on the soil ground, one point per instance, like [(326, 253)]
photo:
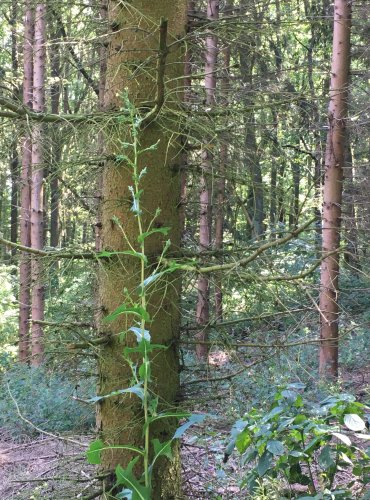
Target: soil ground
[(49, 468)]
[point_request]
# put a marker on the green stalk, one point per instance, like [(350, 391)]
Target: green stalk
[(143, 305)]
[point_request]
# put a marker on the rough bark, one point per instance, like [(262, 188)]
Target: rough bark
[(202, 312), (25, 225), (103, 12), (37, 211), (120, 418), (332, 193)]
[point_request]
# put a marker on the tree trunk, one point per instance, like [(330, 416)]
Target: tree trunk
[(187, 99), (220, 197), (255, 201), (294, 213), (25, 224), (202, 312), (332, 195), (37, 210), (349, 212), (14, 161), (55, 93), (120, 418)]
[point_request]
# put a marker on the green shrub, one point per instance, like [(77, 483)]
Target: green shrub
[(305, 443), (45, 399)]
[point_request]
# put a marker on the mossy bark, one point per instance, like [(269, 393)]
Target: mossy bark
[(132, 60)]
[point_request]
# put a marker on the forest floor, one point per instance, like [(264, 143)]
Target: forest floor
[(52, 468)]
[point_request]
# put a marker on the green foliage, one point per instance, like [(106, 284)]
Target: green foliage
[(45, 399), (303, 442), (8, 305)]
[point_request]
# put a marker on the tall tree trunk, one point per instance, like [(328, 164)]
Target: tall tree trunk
[(315, 122), (187, 99), (294, 213), (55, 92), (25, 193), (103, 14), (220, 196), (119, 418), (14, 161), (202, 312), (332, 195), (37, 210), (255, 202), (273, 174), (14, 175), (349, 212)]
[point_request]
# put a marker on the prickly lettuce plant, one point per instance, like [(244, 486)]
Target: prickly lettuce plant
[(133, 487)]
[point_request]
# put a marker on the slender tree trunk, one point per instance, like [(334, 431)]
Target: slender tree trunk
[(14, 161), (55, 93), (349, 212), (273, 175), (37, 209), (281, 193), (294, 214), (255, 201), (25, 193), (187, 99), (332, 195), (103, 12), (202, 312), (315, 124), (14, 175), (220, 197), (119, 418)]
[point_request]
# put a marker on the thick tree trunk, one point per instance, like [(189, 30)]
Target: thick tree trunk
[(332, 195), (120, 418), (25, 193), (37, 210), (202, 312)]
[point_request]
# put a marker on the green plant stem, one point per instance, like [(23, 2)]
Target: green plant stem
[(144, 306), (308, 465)]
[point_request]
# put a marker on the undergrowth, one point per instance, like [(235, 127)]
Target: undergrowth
[(44, 398)]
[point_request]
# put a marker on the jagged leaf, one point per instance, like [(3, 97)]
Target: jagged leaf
[(135, 389), (162, 230), (123, 309), (96, 447), (126, 478), (162, 449), (106, 253)]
